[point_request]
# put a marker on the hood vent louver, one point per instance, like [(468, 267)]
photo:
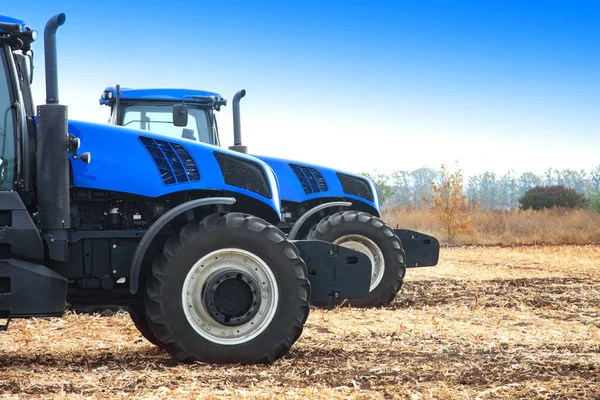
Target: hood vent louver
[(175, 164), (311, 179), (356, 186)]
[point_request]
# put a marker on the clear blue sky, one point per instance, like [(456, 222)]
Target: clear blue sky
[(358, 85)]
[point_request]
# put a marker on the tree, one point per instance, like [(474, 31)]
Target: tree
[(449, 205), (383, 187), (401, 185), (541, 197), (595, 179), (527, 180), (507, 189), (594, 203), (422, 179)]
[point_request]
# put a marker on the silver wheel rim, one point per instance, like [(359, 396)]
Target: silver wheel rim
[(371, 250), (211, 265)]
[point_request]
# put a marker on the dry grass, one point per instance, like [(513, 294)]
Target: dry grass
[(486, 323), (514, 227)]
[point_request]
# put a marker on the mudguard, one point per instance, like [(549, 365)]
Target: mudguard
[(156, 227), (298, 224)]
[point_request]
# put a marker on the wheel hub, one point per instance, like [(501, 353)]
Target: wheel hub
[(232, 297), (233, 317)]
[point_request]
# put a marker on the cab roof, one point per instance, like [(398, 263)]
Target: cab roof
[(12, 21), (109, 94)]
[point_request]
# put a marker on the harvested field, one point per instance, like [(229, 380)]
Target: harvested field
[(486, 323)]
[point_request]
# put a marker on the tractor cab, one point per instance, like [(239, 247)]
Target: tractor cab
[(152, 110), (16, 106)]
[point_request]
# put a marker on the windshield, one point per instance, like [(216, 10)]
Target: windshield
[(159, 118)]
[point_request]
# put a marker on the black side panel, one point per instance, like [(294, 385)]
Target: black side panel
[(30, 290), (17, 230), (53, 167), (421, 250), (334, 272)]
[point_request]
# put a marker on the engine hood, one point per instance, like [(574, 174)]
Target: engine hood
[(152, 165), (300, 182)]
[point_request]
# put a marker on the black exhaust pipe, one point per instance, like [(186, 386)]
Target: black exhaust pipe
[(237, 129), (50, 55), (52, 153), (118, 104)]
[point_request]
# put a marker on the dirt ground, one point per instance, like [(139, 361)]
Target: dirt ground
[(486, 323)]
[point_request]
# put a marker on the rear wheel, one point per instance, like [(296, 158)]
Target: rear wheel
[(371, 236), (228, 289)]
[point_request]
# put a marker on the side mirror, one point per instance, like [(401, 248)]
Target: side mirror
[(180, 115)]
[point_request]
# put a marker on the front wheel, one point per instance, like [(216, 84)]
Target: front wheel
[(228, 289), (139, 319), (371, 236)]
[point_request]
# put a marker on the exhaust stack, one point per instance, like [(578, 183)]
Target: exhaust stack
[(52, 152), (237, 130), (50, 55)]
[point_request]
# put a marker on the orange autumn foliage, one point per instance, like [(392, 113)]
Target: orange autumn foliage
[(449, 205)]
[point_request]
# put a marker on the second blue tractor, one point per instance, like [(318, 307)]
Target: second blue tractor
[(317, 203)]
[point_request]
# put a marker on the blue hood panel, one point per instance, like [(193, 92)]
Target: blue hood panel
[(121, 163), (291, 188)]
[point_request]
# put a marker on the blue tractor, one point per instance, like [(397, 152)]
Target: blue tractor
[(318, 203), (182, 233)]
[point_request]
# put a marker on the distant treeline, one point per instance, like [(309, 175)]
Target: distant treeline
[(490, 190)]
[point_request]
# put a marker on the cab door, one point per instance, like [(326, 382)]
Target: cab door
[(8, 125)]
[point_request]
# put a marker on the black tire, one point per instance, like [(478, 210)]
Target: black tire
[(164, 304), (138, 316), (345, 223)]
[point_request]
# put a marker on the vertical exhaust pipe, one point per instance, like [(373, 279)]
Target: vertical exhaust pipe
[(237, 129), (53, 179), (50, 55), (117, 104)]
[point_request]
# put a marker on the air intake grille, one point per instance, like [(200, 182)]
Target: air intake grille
[(243, 173), (174, 162), (355, 186), (311, 179)]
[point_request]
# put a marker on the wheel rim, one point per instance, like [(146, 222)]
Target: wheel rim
[(230, 296), (371, 250)]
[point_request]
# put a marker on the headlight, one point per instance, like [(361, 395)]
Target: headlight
[(245, 174)]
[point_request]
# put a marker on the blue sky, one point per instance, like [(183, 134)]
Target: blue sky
[(357, 85)]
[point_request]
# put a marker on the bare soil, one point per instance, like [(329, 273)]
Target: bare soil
[(486, 323)]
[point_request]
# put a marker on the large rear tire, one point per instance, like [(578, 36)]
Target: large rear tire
[(369, 235), (228, 289)]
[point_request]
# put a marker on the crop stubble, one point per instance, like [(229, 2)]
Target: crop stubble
[(487, 322)]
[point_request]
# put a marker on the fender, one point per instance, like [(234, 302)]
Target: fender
[(312, 211), (156, 227)]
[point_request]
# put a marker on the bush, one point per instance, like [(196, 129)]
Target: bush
[(541, 197)]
